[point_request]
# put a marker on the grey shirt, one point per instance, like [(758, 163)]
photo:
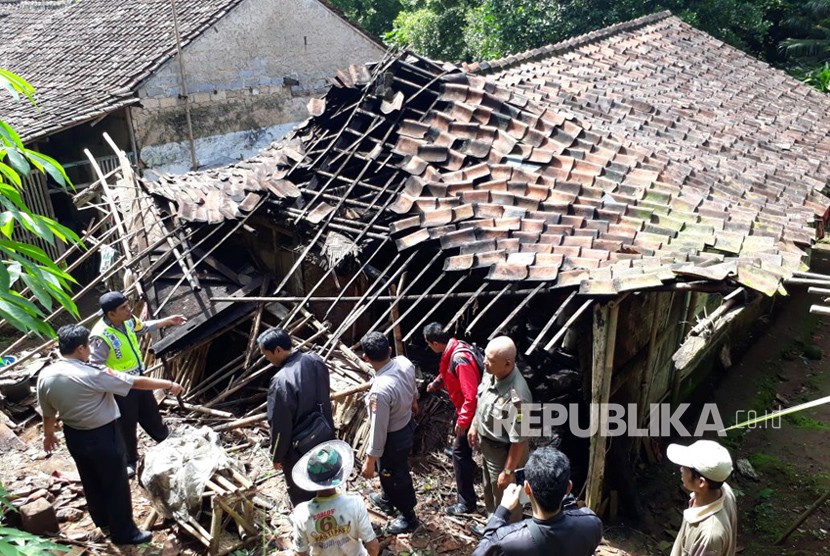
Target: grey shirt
[(81, 395), (100, 349), (389, 402)]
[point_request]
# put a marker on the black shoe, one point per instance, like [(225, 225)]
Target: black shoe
[(477, 530), (140, 537), (402, 525), (130, 471), (382, 503), (460, 509)]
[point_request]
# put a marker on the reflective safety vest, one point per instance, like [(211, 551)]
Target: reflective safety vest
[(124, 353)]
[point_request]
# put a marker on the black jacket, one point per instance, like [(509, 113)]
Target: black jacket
[(572, 532), (299, 387)]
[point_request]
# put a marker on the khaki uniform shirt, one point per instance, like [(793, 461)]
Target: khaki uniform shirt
[(497, 417), (710, 530)]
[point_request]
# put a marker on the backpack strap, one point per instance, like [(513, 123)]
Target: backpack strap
[(464, 348)]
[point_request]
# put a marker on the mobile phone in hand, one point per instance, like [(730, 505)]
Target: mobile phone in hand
[(520, 480), (519, 474)]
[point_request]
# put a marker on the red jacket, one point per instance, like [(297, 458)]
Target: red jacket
[(462, 385)]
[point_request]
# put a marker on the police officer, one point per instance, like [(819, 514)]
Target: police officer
[(114, 343), (390, 404), (81, 395), (500, 395)]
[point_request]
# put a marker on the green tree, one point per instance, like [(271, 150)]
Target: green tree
[(433, 28), (497, 28), (809, 41), (376, 16), (22, 262)]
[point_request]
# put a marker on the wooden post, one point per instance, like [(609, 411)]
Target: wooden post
[(645, 379), (605, 335)]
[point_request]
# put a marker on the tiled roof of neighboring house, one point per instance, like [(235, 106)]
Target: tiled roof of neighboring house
[(84, 58), (630, 157)]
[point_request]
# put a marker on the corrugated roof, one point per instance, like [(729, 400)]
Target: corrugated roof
[(636, 155)]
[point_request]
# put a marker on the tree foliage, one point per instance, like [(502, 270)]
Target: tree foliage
[(376, 16), (21, 262), (484, 29)]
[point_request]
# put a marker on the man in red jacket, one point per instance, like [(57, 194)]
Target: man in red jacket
[(459, 373)]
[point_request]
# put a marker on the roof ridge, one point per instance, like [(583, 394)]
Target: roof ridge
[(499, 64)]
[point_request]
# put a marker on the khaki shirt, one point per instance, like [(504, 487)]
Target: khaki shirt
[(710, 530), (497, 418)]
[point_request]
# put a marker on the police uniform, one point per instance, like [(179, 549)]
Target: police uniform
[(118, 349), (389, 403), (81, 396), (495, 406)]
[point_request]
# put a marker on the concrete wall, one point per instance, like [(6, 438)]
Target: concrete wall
[(255, 68)]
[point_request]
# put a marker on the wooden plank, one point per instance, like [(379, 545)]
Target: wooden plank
[(604, 340)]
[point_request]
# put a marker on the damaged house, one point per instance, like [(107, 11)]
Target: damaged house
[(619, 204), (177, 85)]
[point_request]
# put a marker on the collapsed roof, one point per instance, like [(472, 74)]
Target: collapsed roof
[(625, 159)]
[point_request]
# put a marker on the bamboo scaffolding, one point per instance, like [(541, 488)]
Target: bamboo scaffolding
[(416, 329), (550, 323), (489, 306), (515, 311)]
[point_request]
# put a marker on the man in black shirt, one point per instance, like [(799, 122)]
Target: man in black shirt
[(558, 526), (298, 390)]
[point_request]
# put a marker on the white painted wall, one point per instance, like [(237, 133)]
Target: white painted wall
[(255, 68)]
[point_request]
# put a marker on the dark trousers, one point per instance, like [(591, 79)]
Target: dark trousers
[(393, 468), (295, 493), (100, 458), (465, 467), (139, 407)]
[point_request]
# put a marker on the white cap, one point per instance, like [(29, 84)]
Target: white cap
[(708, 458)]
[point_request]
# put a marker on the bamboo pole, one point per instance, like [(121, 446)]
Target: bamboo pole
[(565, 327), (807, 513), (550, 322)]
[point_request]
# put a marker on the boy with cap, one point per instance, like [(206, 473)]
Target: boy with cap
[(710, 523), (114, 344), (330, 524)]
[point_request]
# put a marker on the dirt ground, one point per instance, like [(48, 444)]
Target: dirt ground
[(792, 463)]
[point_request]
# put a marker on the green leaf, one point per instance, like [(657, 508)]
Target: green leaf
[(18, 161), (8, 550), (51, 167), (36, 284), (10, 136), (16, 84), (9, 173), (6, 224), (5, 280), (33, 223)]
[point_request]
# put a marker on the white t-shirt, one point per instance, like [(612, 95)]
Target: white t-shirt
[(335, 525)]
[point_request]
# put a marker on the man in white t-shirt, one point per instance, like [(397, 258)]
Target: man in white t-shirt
[(330, 524)]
